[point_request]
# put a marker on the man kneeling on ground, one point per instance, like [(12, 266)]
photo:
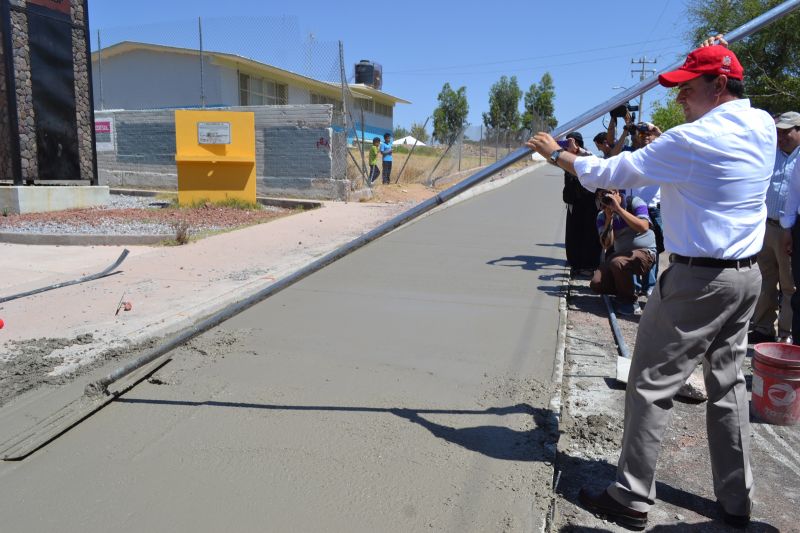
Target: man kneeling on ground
[(624, 224)]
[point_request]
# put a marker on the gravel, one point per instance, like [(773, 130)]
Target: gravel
[(136, 215)]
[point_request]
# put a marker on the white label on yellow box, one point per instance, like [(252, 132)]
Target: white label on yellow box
[(214, 132)]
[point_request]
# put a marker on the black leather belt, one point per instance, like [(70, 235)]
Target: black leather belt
[(713, 263), (774, 222)]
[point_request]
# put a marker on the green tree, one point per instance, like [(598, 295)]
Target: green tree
[(418, 132), (770, 57), (539, 107), (667, 114), (399, 132), (450, 116), (504, 99)]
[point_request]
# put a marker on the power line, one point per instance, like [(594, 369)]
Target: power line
[(490, 63), (543, 66)]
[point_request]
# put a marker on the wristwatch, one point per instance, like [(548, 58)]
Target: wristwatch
[(555, 155)]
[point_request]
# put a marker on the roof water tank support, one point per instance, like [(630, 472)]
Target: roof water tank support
[(369, 73)]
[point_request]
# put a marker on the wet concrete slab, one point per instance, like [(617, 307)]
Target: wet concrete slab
[(403, 388)]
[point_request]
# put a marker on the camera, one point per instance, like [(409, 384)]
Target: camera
[(622, 110), (606, 199), (640, 127)]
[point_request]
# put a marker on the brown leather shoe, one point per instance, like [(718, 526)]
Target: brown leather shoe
[(601, 503)]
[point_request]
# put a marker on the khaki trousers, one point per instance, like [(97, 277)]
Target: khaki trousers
[(695, 314), (776, 272)]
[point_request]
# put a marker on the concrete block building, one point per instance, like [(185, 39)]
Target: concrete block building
[(300, 142)]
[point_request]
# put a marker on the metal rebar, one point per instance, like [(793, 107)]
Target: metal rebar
[(84, 279)]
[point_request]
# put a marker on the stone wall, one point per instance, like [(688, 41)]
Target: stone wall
[(293, 151), (26, 118), (83, 102), (6, 172)]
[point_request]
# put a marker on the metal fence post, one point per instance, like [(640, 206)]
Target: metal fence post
[(480, 148), (202, 83), (100, 71)]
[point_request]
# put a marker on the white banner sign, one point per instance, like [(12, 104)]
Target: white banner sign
[(104, 134)]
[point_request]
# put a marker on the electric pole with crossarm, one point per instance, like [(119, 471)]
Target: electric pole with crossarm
[(642, 61)]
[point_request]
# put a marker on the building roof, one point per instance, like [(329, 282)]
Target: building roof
[(359, 90)]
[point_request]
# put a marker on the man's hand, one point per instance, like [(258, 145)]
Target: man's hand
[(717, 39), (786, 241), (572, 146), (543, 143)]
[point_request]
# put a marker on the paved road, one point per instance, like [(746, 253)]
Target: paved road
[(401, 389)]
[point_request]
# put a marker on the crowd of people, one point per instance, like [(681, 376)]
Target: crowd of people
[(728, 186), (616, 236)]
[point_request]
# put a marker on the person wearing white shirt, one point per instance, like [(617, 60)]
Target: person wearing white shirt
[(773, 261), (714, 172), (791, 242), (651, 195)]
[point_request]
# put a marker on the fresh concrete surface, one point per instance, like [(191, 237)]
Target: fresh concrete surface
[(42, 198), (396, 390)]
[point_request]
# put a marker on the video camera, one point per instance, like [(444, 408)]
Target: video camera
[(640, 127), (622, 110)]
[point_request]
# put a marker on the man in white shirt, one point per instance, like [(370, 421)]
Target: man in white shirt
[(714, 172), (791, 234), (773, 261)]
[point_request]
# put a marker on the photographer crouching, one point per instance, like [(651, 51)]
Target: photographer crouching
[(624, 224)]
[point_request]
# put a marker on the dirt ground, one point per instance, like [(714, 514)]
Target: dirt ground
[(591, 432)]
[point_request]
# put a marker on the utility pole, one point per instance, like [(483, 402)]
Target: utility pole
[(642, 61)]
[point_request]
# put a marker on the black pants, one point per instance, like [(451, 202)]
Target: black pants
[(796, 276), (581, 240), (373, 173), (387, 171)]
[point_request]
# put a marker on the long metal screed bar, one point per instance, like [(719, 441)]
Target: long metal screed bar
[(101, 386)]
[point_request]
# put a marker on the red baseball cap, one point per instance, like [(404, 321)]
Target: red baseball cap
[(714, 59)]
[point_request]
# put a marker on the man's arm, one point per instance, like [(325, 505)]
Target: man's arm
[(658, 163), (607, 233), (620, 143), (639, 225), (611, 134)]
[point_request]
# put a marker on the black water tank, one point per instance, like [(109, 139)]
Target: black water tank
[(369, 73)]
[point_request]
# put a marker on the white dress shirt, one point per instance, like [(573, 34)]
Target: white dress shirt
[(713, 172), (651, 195), (778, 191), (792, 205)]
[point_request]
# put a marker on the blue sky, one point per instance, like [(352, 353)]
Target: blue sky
[(587, 47)]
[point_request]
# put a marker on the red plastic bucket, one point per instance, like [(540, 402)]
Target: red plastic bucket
[(776, 383)]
